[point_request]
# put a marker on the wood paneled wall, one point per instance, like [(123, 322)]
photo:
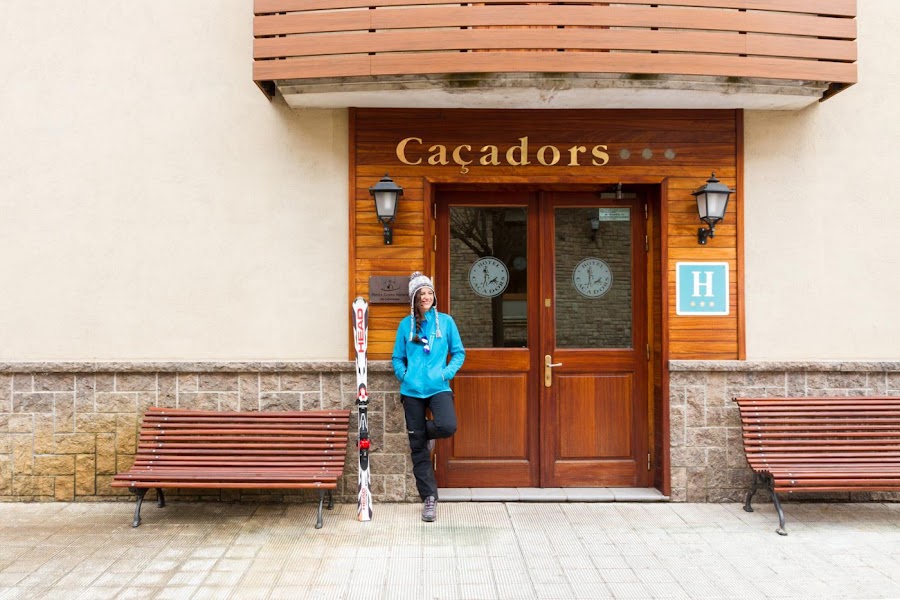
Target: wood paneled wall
[(673, 149)]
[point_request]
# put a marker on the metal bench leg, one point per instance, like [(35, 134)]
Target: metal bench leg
[(770, 484), (752, 491), (319, 516), (330, 501), (160, 498), (781, 530), (139, 492)]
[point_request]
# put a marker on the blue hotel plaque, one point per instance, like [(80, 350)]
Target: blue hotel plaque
[(701, 288)]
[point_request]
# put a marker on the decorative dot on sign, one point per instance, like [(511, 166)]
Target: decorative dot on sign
[(670, 154), (693, 303), (711, 303), (647, 153), (702, 303), (625, 153)]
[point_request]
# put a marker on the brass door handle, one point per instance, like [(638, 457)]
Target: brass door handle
[(548, 370)]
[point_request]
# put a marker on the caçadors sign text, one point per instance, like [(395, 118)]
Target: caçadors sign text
[(412, 151)]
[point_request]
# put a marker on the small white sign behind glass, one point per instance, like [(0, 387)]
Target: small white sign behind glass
[(614, 214)]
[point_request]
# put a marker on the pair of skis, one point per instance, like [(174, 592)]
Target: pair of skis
[(360, 320)]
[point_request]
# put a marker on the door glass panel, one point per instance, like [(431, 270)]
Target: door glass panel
[(489, 275), (593, 277)]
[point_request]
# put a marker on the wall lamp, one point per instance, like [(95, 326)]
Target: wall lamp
[(387, 195), (712, 200)]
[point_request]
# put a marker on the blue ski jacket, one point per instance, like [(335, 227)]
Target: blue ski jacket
[(422, 374)]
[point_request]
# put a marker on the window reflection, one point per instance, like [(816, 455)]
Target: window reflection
[(489, 275), (593, 278)]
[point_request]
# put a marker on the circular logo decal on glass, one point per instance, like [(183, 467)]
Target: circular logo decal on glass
[(592, 278), (488, 277)]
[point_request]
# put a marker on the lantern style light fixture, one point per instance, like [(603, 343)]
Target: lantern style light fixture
[(387, 195), (712, 200)]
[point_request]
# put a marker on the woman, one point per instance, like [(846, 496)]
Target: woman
[(424, 341)]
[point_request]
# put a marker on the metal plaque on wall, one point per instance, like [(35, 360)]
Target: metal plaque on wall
[(389, 289)]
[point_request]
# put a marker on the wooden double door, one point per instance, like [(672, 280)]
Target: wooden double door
[(549, 291)]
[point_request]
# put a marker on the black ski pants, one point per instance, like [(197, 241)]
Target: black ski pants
[(421, 430)]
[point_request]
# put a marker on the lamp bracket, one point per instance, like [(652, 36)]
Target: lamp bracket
[(703, 234)]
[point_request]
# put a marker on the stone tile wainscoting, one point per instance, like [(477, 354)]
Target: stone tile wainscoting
[(707, 453), (67, 428)]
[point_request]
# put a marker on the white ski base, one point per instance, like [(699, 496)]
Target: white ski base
[(551, 495)]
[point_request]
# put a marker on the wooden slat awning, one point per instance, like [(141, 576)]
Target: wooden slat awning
[(808, 48)]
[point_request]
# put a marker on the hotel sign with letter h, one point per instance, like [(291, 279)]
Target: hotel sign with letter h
[(701, 288)]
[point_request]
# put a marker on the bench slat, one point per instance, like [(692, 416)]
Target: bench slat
[(811, 456), (269, 446), (225, 474), (196, 462), (163, 453), (155, 411), (883, 462), (837, 415), (837, 488), (822, 401), (329, 423), (225, 435), (842, 480), (875, 470), (281, 485), (755, 433), (820, 423), (824, 444)]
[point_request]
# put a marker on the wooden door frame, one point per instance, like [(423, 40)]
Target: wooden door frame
[(658, 442), (661, 441)]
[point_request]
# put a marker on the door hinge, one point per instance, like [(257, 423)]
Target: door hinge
[(646, 212), (434, 463), (648, 351), (435, 243), (646, 243), (648, 461), (434, 210)]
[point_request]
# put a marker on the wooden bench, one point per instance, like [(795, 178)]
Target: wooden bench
[(847, 444), (216, 450)]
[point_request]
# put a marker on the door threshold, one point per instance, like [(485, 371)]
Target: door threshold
[(551, 495)]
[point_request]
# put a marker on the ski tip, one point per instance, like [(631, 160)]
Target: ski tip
[(359, 299)]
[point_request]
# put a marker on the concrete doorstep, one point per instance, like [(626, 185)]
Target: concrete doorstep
[(551, 495)]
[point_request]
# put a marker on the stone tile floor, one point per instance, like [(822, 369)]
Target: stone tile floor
[(474, 551)]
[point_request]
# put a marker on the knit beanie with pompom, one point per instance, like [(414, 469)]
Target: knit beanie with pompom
[(417, 281)]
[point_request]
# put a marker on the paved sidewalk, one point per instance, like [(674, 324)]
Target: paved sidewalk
[(473, 551)]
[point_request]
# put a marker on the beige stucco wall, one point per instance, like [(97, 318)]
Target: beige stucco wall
[(822, 214), (153, 203)]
